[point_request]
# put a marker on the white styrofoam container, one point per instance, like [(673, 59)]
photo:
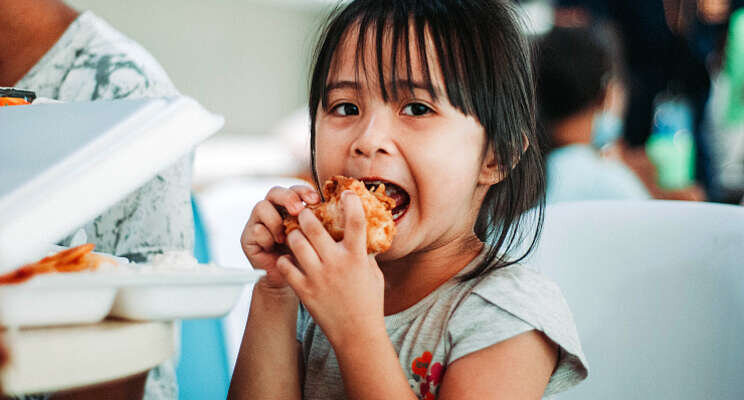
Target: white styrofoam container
[(203, 292), (63, 164), (128, 291), (168, 302), (56, 299)]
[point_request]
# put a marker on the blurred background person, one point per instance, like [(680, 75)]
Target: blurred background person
[(50, 48), (580, 103), (670, 47), (220, 55)]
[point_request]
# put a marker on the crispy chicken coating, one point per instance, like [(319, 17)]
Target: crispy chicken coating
[(377, 209)]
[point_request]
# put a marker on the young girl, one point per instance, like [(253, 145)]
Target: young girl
[(434, 98)]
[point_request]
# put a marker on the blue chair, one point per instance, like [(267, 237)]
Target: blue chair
[(202, 370)]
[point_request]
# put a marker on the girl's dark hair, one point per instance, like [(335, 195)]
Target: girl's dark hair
[(485, 61)]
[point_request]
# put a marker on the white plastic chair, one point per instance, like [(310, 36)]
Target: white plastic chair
[(657, 292)]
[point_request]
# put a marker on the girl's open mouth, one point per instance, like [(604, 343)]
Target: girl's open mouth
[(395, 192)]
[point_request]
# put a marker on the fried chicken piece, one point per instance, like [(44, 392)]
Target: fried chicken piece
[(377, 210)]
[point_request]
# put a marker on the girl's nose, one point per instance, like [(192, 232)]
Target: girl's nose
[(374, 138)]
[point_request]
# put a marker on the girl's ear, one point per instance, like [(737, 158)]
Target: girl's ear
[(491, 171)]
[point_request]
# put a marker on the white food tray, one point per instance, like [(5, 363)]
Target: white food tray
[(136, 293), (56, 299), (53, 153)]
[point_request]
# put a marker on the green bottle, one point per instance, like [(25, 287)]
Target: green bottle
[(671, 147)]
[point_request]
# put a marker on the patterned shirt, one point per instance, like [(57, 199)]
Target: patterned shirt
[(93, 61)]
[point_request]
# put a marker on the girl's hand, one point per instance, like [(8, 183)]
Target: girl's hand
[(339, 283), (264, 231)]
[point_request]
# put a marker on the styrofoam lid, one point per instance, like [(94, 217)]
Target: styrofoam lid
[(63, 164)]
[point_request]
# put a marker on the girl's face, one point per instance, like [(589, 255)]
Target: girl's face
[(429, 152)]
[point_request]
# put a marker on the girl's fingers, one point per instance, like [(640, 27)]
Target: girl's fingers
[(303, 251), (263, 237), (308, 194), (286, 198), (256, 239), (290, 272), (247, 241), (251, 249), (355, 224), (314, 231), (265, 213)]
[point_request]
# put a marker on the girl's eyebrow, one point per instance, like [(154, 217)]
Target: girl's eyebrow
[(400, 83), (342, 85)]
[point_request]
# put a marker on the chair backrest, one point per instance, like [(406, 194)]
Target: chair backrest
[(657, 292)]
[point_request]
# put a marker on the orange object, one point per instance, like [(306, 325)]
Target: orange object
[(12, 101), (377, 210), (74, 259), (16, 97)]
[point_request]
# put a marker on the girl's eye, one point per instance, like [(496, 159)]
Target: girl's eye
[(345, 109), (416, 109)]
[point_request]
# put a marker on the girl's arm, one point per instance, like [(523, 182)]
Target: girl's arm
[(269, 363), (343, 289), (370, 367), (517, 368)]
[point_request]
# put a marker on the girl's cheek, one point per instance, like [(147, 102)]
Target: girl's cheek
[(331, 121), (336, 132), (329, 156)]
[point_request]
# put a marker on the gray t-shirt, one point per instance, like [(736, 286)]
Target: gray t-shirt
[(457, 319), (93, 61)]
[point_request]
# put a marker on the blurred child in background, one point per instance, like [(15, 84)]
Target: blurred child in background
[(580, 104)]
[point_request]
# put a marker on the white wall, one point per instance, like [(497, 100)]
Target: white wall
[(245, 59)]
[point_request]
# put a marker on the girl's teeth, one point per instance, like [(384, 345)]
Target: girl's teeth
[(371, 186)]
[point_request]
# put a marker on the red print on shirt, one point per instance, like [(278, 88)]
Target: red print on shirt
[(428, 376)]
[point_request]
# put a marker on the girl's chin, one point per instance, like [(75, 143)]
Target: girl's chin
[(392, 254), (397, 251)]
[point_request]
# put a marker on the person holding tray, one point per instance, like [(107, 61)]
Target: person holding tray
[(61, 54)]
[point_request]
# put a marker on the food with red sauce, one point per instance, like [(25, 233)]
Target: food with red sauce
[(75, 259)]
